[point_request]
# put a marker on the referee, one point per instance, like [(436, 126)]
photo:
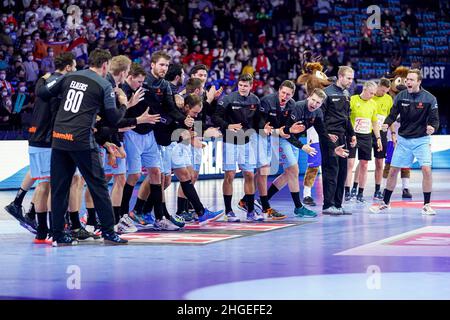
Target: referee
[(84, 94)]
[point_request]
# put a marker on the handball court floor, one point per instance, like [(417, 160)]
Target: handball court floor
[(399, 255)]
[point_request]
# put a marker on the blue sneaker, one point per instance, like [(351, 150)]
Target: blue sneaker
[(148, 218), (254, 216), (304, 212), (209, 216), (177, 220), (138, 218)]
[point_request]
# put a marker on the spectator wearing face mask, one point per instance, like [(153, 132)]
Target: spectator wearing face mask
[(5, 106), (257, 81), (207, 57), (31, 70), (170, 38), (5, 84), (48, 63), (5, 36), (174, 51), (261, 62), (40, 47), (230, 52)]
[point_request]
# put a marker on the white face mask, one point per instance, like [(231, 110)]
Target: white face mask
[(4, 93), (22, 89), (2, 76), (30, 58), (51, 54)]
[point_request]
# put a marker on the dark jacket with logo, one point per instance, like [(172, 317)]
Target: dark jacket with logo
[(233, 109), (336, 111), (417, 110)]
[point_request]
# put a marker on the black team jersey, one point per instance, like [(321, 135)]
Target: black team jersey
[(308, 119), (107, 133), (417, 110), (43, 118), (158, 96), (84, 94), (233, 109), (272, 112)]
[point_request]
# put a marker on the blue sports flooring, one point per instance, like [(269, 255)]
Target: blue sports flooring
[(399, 255)]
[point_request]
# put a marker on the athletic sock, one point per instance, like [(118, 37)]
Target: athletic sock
[(426, 197), (126, 196), (265, 202), (296, 197), (250, 201), (116, 214), (227, 201), (19, 197), (74, 220), (271, 192)]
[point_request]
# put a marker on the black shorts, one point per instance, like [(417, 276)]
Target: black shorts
[(364, 147), (380, 154)]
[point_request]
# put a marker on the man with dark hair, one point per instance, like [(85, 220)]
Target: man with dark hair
[(279, 109), (237, 118), (200, 73), (44, 113), (175, 75), (84, 93), (419, 116), (142, 144), (110, 139)]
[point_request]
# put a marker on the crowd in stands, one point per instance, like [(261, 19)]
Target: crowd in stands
[(265, 38)]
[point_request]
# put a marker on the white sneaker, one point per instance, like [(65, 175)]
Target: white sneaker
[(166, 225), (126, 225), (428, 210), (380, 208)]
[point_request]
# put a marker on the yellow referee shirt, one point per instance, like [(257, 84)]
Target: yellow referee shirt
[(384, 105), (362, 113)]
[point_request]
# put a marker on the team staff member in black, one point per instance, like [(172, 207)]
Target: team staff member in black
[(336, 116), (84, 94)]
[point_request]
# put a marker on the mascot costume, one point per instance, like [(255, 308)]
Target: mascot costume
[(398, 79), (311, 78)]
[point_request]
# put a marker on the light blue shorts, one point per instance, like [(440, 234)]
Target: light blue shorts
[(262, 149), (197, 156), (408, 149), (182, 156), (142, 151), (40, 163), (119, 168), (166, 157), (288, 154), (241, 155)]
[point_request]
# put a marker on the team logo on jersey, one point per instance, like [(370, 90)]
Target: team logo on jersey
[(158, 92), (420, 105), (113, 95), (253, 107), (286, 113)]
